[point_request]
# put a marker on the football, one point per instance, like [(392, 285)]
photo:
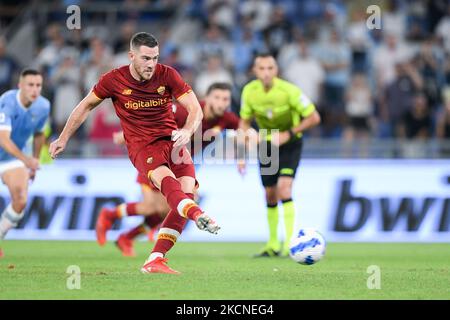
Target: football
[(307, 247)]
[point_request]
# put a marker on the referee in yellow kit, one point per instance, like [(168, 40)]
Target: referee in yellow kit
[(285, 113)]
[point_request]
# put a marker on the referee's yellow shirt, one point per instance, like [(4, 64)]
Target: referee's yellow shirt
[(282, 107)]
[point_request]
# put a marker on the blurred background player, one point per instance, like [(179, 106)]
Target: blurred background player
[(142, 94), (277, 104), (216, 119), (23, 113)]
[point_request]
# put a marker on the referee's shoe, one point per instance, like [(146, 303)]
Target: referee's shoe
[(268, 251)]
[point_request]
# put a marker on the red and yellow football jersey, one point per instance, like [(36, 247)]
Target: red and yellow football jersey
[(143, 107)]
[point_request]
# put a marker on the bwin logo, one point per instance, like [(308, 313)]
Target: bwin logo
[(409, 208)]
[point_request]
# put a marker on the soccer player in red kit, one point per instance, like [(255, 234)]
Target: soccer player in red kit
[(142, 95), (216, 118)]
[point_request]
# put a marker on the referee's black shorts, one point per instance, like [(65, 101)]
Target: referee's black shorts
[(283, 161)]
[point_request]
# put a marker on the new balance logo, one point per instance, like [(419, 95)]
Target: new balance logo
[(127, 92)]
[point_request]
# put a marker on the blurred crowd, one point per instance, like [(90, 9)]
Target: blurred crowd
[(388, 82)]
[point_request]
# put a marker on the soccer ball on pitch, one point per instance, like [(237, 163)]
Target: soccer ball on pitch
[(307, 247)]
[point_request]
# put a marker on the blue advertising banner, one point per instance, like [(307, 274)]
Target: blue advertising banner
[(346, 200)]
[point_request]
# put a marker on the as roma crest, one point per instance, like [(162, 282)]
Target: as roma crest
[(161, 90)]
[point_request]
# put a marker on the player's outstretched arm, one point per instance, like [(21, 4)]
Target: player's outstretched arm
[(9, 146), (77, 117), (195, 116)]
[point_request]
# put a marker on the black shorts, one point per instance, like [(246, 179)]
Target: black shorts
[(284, 162), (360, 123)]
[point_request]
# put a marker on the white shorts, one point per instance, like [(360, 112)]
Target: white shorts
[(9, 165)]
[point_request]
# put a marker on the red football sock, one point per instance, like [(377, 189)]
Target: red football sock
[(169, 232), (171, 189), (195, 211), (123, 210), (136, 231)]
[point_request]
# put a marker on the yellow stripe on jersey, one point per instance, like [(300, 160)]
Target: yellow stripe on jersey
[(96, 95), (189, 91)]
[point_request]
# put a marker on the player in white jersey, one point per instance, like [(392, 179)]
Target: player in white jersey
[(23, 113)]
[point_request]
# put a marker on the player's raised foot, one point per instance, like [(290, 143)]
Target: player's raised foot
[(104, 223), (125, 245), (158, 265), (204, 222)]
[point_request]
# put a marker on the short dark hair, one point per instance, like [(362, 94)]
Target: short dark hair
[(30, 72), (143, 39), (220, 86), (264, 55)]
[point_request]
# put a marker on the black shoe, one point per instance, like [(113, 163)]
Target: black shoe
[(267, 253)]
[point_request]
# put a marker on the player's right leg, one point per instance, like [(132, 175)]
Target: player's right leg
[(16, 180)]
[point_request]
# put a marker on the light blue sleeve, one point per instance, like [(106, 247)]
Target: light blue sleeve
[(5, 114), (40, 125), (45, 113)]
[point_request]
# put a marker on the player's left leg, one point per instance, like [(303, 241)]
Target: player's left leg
[(17, 182)]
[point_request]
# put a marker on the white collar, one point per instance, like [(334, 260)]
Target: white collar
[(19, 102)]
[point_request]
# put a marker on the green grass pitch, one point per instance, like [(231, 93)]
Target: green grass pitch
[(37, 270)]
